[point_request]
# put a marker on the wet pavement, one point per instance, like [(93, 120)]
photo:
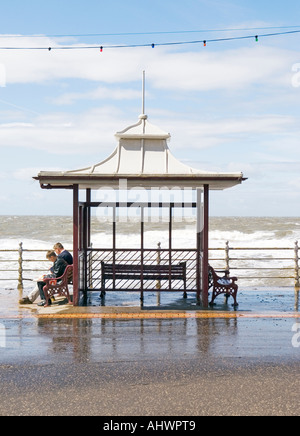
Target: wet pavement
[(172, 359)]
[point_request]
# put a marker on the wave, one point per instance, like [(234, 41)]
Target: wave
[(180, 239)]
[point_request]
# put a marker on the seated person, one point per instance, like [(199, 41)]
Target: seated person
[(58, 269), (61, 252)]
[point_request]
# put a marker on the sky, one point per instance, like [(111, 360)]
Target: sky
[(232, 106)]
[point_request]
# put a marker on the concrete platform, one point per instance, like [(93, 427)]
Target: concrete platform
[(173, 359), (259, 302)]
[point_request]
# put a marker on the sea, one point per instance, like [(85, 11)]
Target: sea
[(262, 249)]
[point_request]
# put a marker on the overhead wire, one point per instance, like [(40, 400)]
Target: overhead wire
[(77, 35), (153, 45)]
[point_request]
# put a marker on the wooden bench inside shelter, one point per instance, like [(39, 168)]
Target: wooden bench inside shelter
[(222, 285), (59, 286), (140, 272)]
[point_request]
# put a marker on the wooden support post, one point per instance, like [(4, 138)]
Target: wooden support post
[(170, 244), (89, 268), (85, 249), (205, 248), (142, 255), (158, 283), (114, 244), (75, 245), (88, 200), (199, 245)]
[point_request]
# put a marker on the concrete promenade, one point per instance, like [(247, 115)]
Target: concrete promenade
[(172, 360)]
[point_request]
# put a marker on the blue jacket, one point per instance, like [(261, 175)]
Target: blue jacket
[(66, 256)]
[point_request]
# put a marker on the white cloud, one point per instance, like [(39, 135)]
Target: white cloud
[(26, 174), (64, 133), (93, 131), (200, 69), (229, 69), (16, 125), (2, 76), (239, 101), (196, 134), (100, 93), (295, 183)]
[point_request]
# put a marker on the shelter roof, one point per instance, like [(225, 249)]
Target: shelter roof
[(143, 158)]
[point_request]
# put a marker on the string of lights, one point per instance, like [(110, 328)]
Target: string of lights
[(153, 45)]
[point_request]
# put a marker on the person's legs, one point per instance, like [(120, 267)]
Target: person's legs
[(34, 294), (42, 295), (31, 297)]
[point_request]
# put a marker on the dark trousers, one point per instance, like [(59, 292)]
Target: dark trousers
[(41, 285)]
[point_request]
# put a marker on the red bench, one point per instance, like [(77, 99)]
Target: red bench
[(59, 286), (222, 285)]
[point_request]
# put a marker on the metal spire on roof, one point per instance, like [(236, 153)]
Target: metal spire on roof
[(143, 116), (143, 106)]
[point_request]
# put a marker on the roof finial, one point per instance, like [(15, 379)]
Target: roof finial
[(143, 116)]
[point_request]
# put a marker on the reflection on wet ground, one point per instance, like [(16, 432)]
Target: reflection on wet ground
[(245, 359), (49, 341), (27, 337), (258, 299)]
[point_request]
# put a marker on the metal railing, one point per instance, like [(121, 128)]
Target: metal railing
[(252, 265), (260, 265), (147, 257)]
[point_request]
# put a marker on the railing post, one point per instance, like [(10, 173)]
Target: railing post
[(20, 261), (90, 268), (158, 259), (227, 258), (158, 282), (297, 282)]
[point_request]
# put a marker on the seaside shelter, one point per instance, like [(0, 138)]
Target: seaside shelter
[(141, 181)]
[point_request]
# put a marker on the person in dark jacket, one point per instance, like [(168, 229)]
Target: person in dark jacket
[(61, 252), (57, 270)]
